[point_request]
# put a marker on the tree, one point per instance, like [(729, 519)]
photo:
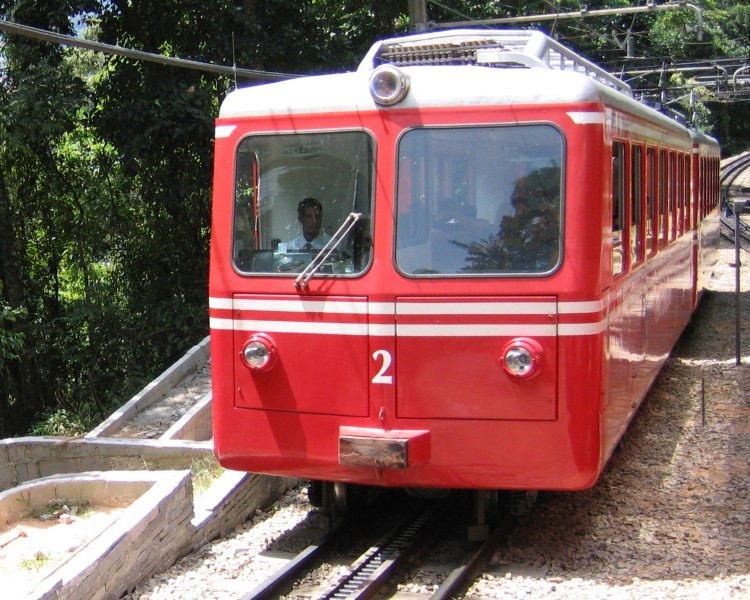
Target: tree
[(106, 164), (39, 98)]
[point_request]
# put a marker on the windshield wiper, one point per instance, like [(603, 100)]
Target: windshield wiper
[(319, 259)]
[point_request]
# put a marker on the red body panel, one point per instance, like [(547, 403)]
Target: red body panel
[(391, 357), (461, 377)]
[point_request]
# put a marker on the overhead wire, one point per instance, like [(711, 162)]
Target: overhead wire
[(233, 71), (588, 31), (451, 10), (69, 40)]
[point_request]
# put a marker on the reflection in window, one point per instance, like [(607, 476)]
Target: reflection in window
[(636, 196), (663, 178), (292, 192), (680, 208), (672, 208), (618, 206), (650, 198), (688, 197), (479, 200)]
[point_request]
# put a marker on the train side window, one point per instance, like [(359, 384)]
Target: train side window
[(706, 184), (672, 198), (680, 207), (688, 195), (636, 204), (703, 188), (716, 183), (684, 193), (650, 199), (618, 207), (479, 201), (663, 179), (245, 233)]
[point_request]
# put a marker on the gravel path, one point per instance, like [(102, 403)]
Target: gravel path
[(155, 420), (668, 519)]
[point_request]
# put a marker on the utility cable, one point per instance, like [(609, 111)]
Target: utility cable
[(69, 40)]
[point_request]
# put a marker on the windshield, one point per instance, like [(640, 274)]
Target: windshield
[(479, 200), (293, 192)]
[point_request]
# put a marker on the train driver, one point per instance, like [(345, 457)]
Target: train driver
[(310, 216)]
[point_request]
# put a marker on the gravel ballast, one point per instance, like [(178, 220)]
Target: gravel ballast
[(669, 518)]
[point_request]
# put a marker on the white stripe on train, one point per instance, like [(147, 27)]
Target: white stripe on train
[(412, 330), (361, 307)]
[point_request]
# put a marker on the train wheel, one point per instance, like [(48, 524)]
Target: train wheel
[(315, 493), (339, 498), (486, 515), (336, 499), (519, 502)]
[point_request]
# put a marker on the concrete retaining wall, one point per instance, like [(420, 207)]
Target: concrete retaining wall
[(112, 489), (195, 358), (194, 424), (154, 527), (163, 521), (23, 459)]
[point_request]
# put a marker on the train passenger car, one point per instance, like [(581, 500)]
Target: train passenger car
[(461, 266)]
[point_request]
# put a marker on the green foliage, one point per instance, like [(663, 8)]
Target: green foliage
[(106, 165), (204, 472), (79, 507), (11, 341), (62, 423), (39, 560)]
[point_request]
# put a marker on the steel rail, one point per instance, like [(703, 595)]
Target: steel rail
[(729, 174), (374, 568), (283, 579), (464, 575), (371, 571), (732, 170)]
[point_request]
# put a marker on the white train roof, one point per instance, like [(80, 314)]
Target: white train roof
[(450, 69), (430, 87), (496, 48)]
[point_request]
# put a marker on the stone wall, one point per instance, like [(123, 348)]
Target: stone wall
[(163, 521), (155, 527), (23, 459), (158, 388)]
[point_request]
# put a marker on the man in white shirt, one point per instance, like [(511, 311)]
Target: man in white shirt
[(310, 216)]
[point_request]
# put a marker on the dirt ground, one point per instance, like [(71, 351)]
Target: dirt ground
[(31, 549)]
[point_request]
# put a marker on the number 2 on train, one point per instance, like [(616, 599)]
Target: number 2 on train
[(382, 376)]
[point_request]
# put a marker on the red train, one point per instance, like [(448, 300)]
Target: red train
[(461, 266)]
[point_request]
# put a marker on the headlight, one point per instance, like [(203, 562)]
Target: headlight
[(259, 352), (521, 358), (388, 85)]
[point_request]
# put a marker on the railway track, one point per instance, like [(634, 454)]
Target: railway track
[(731, 171), (375, 572), (728, 229)]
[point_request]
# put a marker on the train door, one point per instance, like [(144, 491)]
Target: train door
[(638, 303), (477, 204), (302, 206), (620, 340)]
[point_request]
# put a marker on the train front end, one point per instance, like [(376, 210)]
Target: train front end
[(389, 304)]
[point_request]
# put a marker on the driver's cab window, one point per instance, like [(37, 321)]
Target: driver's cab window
[(299, 196)]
